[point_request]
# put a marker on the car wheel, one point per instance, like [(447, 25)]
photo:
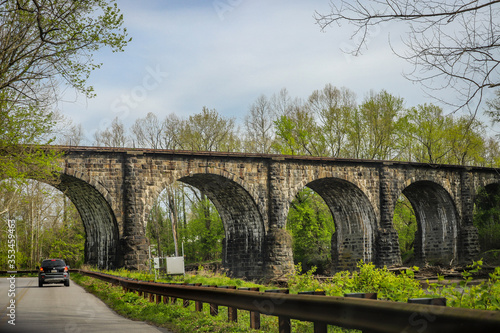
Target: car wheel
[(66, 283), (40, 283)]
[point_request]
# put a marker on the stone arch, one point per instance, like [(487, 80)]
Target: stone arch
[(102, 248), (355, 221), (437, 222), (243, 250)]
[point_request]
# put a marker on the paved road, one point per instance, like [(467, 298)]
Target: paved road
[(55, 308)]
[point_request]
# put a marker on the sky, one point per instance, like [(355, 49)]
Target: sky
[(224, 54)]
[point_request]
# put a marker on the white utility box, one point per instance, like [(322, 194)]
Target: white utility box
[(175, 265)]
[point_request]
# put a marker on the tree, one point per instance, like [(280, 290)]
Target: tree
[(380, 113), (21, 130), (334, 108), (259, 126), (48, 41), (148, 132), (494, 108), (114, 136), (466, 140), (45, 43), (298, 134), (208, 131), (311, 224), (487, 217), (428, 130), (455, 43)]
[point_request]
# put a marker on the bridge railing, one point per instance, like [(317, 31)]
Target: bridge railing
[(356, 313)]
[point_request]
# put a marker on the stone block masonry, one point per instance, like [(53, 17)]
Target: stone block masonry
[(114, 190)]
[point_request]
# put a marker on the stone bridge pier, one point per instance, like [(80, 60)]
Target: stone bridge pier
[(115, 189)]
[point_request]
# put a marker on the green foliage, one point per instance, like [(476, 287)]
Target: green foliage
[(203, 234), (208, 131), (486, 217), (199, 227), (22, 131), (311, 225), (367, 279), (485, 295), (405, 224), (54, 40)]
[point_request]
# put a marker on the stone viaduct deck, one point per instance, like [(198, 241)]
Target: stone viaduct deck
[(115, 188)]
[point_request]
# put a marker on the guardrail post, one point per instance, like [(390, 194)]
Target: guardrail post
[(198, 306), (165, 299), (319, 327), (284, 325), (151, 297), (254, 316), (214, 308), (232, 313), (158, 299)]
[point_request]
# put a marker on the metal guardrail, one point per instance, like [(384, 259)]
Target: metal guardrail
[(364, 314)]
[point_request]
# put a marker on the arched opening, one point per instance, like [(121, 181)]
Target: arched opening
[(102, 248), (435, 212), (486, 219), (183, 221), (354, 219), (47, 224), (243, 231)]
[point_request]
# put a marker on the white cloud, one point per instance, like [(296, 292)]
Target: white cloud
[(257, 48)]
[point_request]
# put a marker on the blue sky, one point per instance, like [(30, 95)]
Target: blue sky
[(223, 54)]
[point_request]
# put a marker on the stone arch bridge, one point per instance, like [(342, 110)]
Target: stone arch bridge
[(115, 188)]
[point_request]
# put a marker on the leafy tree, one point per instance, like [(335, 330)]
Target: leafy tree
[(22, 131), (405, 224), (380, 113), (428, 130), (203, 234), (454, 43), (466, 139), (208, 131), (487, 217), (494, 107), (334, 108), (46, 43), (298, 134), (311, 225)]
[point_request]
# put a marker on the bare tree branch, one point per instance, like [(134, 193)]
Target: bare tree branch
[(452, 44)]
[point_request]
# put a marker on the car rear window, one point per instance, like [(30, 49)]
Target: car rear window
[(53, 263)]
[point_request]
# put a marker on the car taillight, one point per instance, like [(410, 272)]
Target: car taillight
[(41, 269), (66, 268)]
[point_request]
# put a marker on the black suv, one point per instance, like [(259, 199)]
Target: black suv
[(53, 271)]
